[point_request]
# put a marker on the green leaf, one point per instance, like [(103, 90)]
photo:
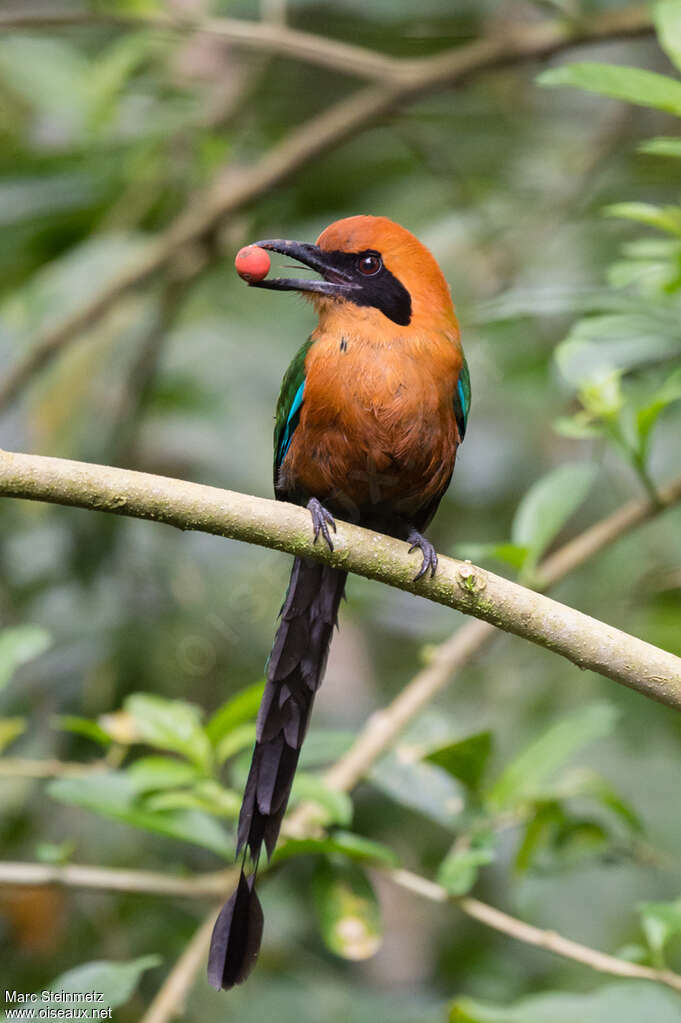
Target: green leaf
[(601, 395), (10, 729), (419, 785), (171, 725), (578, 839), (633, 85), (324, 746), (240, 738), (344, 843), (238, 710), (51, 75), (458, 872), (348, 911), (509, 553), (557, 841), (311, 788), (667, 16), (465, 759), (663, 146), (647, 415), (111, 70), (621, 1002), (207, 795), (538, 833), (114, 795), (664, 218), (526, 776), (150, 774), (548, 505), (55, 852), (660, 922), (579, 427), (82, 726), (19, 645), (115, 982), (604, 793)]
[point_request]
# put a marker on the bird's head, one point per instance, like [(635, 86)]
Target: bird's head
[(374, 274)]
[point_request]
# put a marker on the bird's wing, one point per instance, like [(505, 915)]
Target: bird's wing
[(462, 400), (288, 408)]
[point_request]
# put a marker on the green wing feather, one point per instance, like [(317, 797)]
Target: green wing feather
[(462, 399), (288, 407)]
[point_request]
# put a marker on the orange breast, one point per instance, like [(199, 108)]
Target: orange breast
[(377, 425)]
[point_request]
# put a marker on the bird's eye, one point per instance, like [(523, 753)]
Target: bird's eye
[(369, 265)]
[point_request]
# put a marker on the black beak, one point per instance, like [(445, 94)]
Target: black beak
[(337, 282)]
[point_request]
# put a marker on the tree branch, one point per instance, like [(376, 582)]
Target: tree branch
[(450, 657), (109, 879), (22, 767), (549, 940), (259, 36), (179, 981), (581, 639), (239, 187), (334, 54), (379, 733)]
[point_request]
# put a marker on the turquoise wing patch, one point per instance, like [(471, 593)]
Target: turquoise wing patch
[(291, 423), (288, 408), (462, 400)]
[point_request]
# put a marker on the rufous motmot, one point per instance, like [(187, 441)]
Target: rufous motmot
[(370, 415)]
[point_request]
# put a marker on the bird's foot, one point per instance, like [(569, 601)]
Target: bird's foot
[(321, 520), (429, 562)]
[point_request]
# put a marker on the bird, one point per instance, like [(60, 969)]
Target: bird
[(371, 412)]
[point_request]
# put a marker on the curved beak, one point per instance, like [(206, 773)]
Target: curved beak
[(336, 282)]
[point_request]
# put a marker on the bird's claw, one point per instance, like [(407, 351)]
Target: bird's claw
[(429, 562), (321, 520)]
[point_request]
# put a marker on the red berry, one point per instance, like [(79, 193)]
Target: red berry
[(252, 263)]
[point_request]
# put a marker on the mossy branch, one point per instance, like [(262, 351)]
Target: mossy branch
[(585, 641)]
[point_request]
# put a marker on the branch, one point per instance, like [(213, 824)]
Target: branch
[(22, 767), (237, 188), (549, 940), (380, 731), (260, 36), (450, 657), (181, 978), (335, 54), (581, 639), (107, 879)]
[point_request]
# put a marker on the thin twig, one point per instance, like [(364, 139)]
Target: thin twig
[(275, 38), (377, 736), (267, 37), (239, 187), (23, 767), (171, 996), (548, 940), (585, 641), (454, 654), (149, 882)]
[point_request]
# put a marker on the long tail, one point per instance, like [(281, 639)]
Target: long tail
[(294, 673)]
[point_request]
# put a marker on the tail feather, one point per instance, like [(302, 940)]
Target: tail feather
[(294, 673), (236, 936)]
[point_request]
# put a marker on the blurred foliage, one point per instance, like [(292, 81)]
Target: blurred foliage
[(139, 651)]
